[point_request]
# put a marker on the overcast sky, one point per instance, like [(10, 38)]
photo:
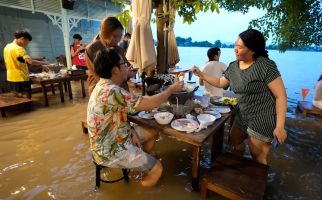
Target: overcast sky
[(212, 26)]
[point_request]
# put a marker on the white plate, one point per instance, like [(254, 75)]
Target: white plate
[(146, 115), (212, 111), (218, 116), (221, 109), (187, 125)]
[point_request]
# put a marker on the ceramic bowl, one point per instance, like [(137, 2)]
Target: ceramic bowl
[(163, 117), (206, 119)]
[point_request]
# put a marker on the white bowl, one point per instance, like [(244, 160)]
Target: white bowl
[(206, 119), (163, 117)]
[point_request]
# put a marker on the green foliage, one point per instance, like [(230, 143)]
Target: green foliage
[(292, 24), (124, 17), (189, 8)]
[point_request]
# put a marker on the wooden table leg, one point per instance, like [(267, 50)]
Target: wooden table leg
[(83, 87), (65, 86), (53, 88), (195, 168), (217, 143), (3, 112), (69, 89), (44, 91), (61, 91)]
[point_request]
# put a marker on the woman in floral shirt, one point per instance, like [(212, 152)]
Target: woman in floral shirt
[(113, 142)]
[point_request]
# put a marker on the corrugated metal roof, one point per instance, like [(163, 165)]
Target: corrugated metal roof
[(47, 6), (83, 9), (16, 3)]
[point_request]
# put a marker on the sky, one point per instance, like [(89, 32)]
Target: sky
[(212, 26)]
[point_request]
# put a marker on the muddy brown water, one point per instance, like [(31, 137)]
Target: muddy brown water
[(45, 155)]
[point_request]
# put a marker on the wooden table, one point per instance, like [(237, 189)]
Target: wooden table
[(44, 82), (60, 81), (195, 139)]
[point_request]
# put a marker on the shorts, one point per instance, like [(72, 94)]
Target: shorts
[(133, 158), (140, 132), (20, 87), (259, 127), (317, 104)]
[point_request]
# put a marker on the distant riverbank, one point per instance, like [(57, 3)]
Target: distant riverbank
[(187, 42)]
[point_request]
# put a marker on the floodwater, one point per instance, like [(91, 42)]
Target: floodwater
[(45, 155)]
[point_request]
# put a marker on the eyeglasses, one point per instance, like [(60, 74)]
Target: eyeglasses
[(124, 63)]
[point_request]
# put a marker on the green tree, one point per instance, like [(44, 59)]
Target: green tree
[(291, 23)]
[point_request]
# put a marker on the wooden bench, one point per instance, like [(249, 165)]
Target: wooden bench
[(8, 100), (307, 108), (235, 178), (84, 126)]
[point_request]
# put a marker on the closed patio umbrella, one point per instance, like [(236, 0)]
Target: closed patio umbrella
[(173, 54), (141, 53)]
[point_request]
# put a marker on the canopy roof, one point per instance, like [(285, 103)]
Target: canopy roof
[(83, 9)]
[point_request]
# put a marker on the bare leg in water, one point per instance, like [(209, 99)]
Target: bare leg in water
[(237, 137), (152, 177), (259, 149), (150, 136)]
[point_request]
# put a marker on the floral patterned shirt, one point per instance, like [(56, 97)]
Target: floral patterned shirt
[(109, 130)]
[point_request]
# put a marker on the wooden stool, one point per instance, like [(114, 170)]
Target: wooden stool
[(84, 126), (98, 178), (307, 108), (235, 178)]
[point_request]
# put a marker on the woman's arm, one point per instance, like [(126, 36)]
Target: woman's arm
[(150, 102), (278, 90), (220, 83)]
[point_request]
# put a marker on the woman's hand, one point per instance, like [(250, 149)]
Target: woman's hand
[(197, 71), (176, 87), (135, 138), (280, 135)]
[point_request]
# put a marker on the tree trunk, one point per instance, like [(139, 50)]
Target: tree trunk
[(160, 47)]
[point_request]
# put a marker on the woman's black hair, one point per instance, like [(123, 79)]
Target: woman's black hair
[(255, 41), (104, 62), (77, 36), (214, 51), (24, 34)]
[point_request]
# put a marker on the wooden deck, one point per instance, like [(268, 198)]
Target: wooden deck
[(307, 108), (8, 100)]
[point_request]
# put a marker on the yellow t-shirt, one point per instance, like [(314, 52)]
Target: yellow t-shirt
[(16, 71)]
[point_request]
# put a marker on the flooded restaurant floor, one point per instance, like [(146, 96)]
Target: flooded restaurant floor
[(45, 155)]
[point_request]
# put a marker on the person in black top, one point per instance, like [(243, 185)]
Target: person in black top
[(126, 41), (261, 96)]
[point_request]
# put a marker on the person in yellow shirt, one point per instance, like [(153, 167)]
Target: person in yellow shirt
[(16, 59)]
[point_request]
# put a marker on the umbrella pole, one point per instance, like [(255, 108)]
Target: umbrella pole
[(166, 43)]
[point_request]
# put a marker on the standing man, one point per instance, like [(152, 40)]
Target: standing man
[(126, 41), (214, 69), (16, 59), (77, 51)]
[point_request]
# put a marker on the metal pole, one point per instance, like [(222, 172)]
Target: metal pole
[(65, 29), (166, 45)]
